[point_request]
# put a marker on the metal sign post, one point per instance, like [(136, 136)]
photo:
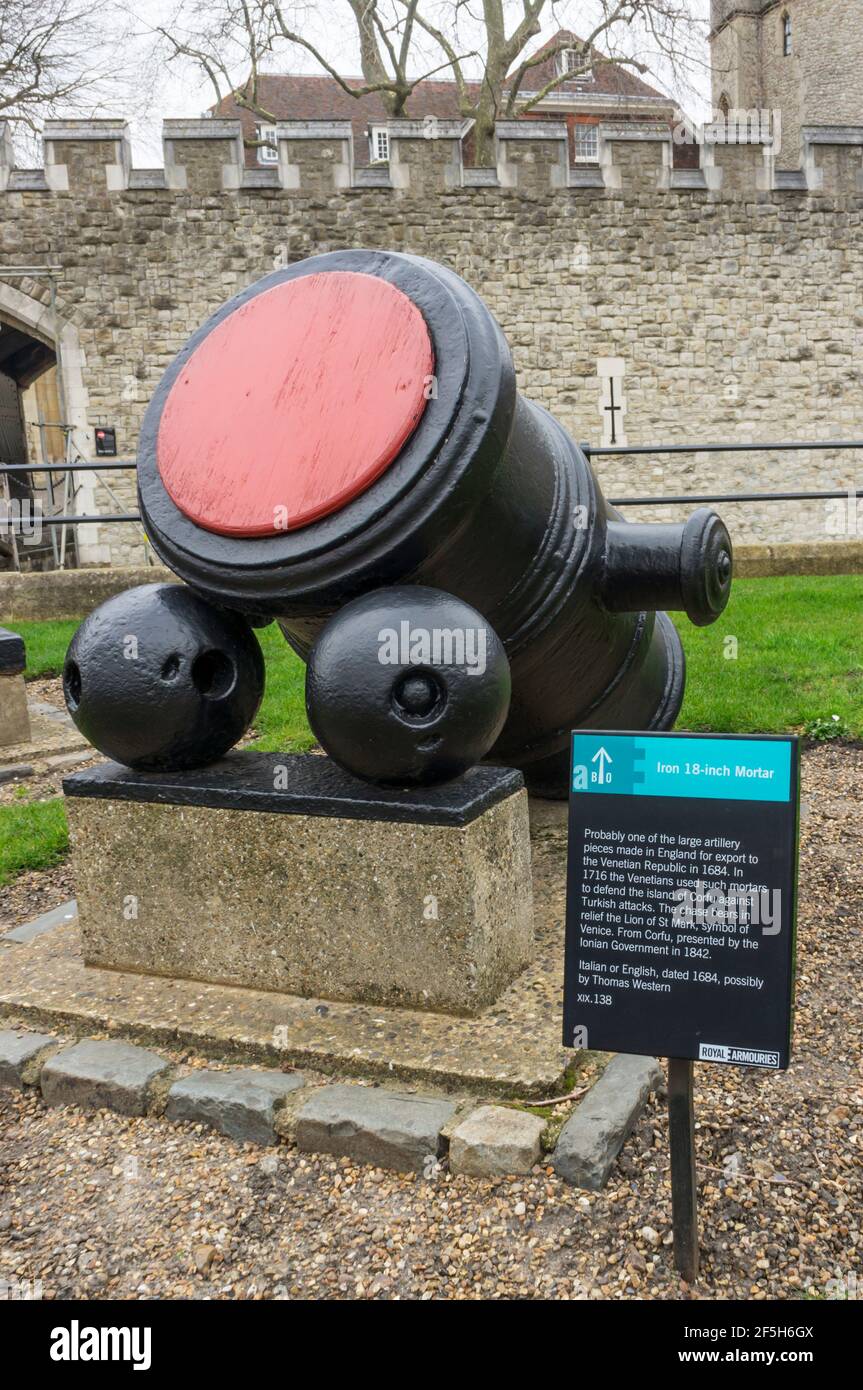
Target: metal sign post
[(684, 1192), (680, 920)]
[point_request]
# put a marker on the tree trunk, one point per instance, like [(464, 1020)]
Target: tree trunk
[(485, 114)]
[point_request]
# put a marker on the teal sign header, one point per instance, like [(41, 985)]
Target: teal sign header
[(724, 768)]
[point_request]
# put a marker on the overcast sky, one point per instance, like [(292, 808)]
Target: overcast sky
[(177, 89)]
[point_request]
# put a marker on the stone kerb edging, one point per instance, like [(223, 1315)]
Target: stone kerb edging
[(404, 1131)]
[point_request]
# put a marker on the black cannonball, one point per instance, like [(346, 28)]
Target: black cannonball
[(407, 687), (158, 679)]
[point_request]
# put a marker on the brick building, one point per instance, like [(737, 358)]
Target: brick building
[(607, 91)]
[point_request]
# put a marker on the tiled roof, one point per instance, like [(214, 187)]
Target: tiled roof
[(317, 97), (607, 78)]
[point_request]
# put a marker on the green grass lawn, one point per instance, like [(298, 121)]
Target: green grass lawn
[(786, 652), (46, 645), (281, 722), (33, 835), (799, 658)]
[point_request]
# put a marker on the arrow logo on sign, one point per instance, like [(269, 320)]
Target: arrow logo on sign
[(604, 758)]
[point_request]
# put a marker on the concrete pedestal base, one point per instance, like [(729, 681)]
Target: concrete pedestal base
[(14, 720), (283, 873)]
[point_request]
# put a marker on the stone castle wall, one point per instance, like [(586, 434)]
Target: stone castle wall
[(820, 82), (735, 64), (736, 305)]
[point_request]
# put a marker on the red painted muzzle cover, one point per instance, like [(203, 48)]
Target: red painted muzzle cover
[(294, 404)]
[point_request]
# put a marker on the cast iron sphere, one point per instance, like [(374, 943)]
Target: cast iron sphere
[(158, 679), (407, 687)]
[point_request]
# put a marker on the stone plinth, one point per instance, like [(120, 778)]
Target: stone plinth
[(283, 873), (14, 720)]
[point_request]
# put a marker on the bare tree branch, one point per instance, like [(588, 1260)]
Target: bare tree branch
[(62, 58), (402, 43), (615, 12)]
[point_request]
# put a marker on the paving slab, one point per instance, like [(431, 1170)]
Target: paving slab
[(55, 714), (16, 773), (102, 1076), (47, 921), (20, 1053), (390, 1129), (510, 1049), (594, 1134), (240, 1103), (51, 734), (65, 762), (494, 1141)]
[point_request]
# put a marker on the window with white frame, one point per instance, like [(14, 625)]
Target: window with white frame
[(573, 60), (268, 153), (379, 142), (586, 143), (787, 36)]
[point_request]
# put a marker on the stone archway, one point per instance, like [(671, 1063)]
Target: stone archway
[(23, 311)]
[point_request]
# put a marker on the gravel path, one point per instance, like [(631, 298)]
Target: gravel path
[(105, 1207)]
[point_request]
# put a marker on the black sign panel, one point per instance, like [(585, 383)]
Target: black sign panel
[(681, 896), (106, 442)]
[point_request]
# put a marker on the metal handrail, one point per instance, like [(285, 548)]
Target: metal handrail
[(105, 517), (688, 497), (64, 467), (622, 450), (591, 451)]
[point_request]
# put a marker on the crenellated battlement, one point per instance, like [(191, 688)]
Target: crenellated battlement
[(727, 296), (316, 159)]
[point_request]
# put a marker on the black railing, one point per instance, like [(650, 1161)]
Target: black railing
[(11, 469), (607, 451), (591, 451)]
